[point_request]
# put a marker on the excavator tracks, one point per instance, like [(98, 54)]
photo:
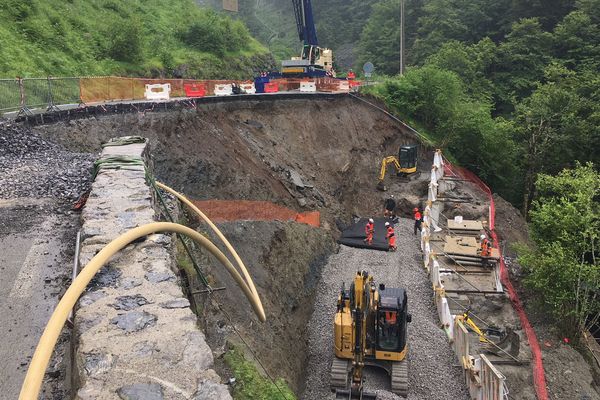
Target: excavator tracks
[(400, 378), (339, 374)]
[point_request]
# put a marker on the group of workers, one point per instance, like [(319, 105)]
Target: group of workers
[(389, 211)]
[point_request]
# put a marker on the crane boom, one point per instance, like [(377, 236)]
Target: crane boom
[(314, 61), (307, 32)]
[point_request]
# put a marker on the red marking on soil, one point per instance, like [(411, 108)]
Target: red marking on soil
[(247, 210)]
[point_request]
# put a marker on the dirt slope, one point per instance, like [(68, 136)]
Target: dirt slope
[(251, 150)]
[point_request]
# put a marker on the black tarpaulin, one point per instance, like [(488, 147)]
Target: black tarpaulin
[(354, 235)]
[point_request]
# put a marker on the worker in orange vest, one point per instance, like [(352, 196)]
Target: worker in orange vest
[(351, 75), (486, 247), (369, 231), (391, 237), (418, 219)]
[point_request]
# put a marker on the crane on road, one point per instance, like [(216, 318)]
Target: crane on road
[(314, 61)]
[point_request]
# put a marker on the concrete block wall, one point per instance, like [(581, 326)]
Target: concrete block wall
[(135, 336)]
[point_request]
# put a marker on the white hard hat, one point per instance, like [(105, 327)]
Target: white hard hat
[(387, 224), (482, 237), (392, 196), (370, 219)]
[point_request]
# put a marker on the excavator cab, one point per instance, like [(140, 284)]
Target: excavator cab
[(408, 158), (370, 329)]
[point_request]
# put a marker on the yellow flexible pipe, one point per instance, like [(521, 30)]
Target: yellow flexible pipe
[(220, 235), (35, 374)]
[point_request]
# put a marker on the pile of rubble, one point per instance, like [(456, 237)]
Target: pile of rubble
[(31, 166)]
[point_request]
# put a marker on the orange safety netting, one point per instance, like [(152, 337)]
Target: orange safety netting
[(240, 210), (539, 378), (113, 88)]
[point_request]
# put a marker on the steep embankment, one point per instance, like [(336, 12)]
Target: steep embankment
[(150, 38)]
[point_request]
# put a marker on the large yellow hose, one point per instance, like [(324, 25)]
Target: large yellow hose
[(35, 374), (220, 235)]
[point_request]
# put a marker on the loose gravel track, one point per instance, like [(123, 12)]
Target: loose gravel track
[(433, 370)]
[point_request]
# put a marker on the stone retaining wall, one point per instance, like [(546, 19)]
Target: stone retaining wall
[(135, 336)]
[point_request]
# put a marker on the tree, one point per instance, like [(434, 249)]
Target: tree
[(576, 41), (522, 59), (558, 125), (380, 38), (565, 227)]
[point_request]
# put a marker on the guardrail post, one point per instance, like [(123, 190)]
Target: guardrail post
[(23, 106), (51, 105)]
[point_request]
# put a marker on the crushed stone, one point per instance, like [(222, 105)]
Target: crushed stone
[(433, 369)]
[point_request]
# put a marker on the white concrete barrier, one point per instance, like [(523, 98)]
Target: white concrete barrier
[(223, 89), (158, 91), (248, 88), (308, 86), (344, 86)]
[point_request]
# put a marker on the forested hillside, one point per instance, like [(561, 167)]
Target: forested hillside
[(509, 97), (124, 37)]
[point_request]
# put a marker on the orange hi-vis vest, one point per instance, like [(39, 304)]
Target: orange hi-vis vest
[(369, 228), (417, 216), (390, 317), (485, 247)]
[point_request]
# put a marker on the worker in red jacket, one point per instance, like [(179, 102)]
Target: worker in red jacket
[(391, 237), (369, 231), (486, 247), (418, 219)]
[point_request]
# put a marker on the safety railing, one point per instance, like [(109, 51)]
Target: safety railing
[(26, 94)]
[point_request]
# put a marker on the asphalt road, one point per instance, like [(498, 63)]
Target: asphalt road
[(34, 267)]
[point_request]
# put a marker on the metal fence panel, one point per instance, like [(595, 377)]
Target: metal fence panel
[(64, 90), (10, 95), (37, 92)]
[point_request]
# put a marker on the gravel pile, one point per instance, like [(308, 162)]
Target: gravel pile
[(33, 167), (433, 368)]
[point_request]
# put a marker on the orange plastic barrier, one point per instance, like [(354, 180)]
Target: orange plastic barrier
[(310, 218), (240, 210), (271, 87), (194, 90)]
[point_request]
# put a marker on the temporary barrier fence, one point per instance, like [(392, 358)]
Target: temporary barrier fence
[(48, 93), (10, 95)]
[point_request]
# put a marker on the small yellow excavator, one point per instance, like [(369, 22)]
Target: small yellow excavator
[(405, 163), (370, 329)]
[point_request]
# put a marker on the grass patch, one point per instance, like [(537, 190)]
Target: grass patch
[(250, 384), (121, 37)]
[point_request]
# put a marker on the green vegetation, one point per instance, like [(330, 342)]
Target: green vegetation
[(510, 105), (250, 384), (563, 267), (124, 37)]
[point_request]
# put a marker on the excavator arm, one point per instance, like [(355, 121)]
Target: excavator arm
[(383, 170)]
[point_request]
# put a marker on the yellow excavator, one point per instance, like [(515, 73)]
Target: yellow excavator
[(405, 164), (370, 329)]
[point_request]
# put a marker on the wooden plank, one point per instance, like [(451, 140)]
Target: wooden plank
[(468, 225)]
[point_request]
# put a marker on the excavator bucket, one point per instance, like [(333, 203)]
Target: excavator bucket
[(381, 186), (349, 394)]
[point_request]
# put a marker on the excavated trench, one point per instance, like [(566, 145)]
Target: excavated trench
[(307, 155)]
